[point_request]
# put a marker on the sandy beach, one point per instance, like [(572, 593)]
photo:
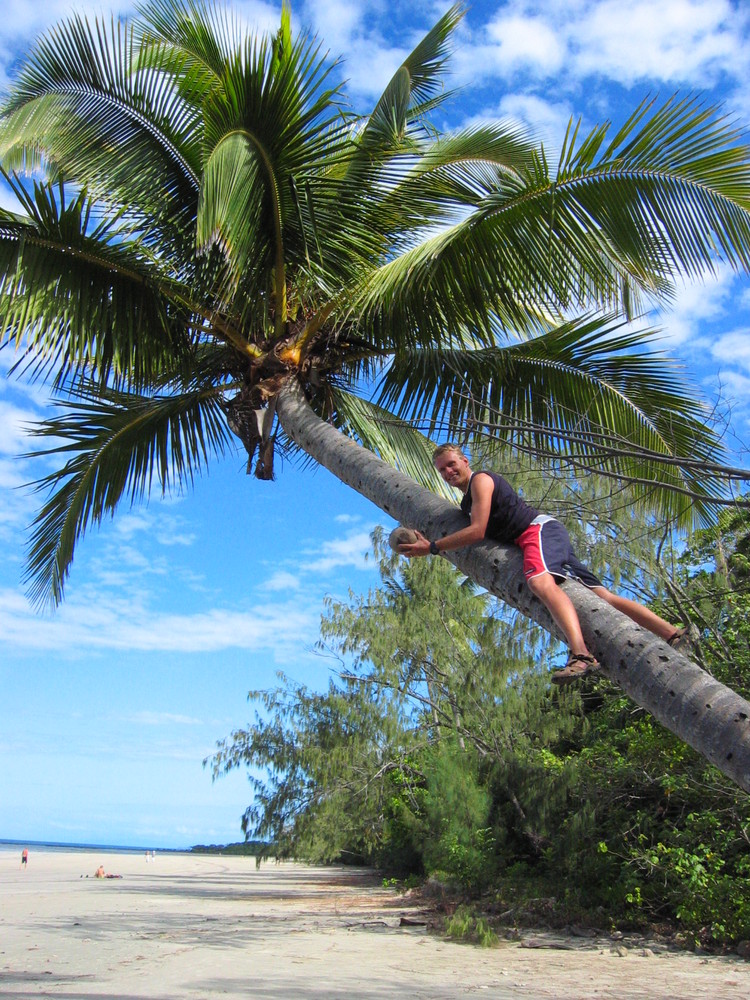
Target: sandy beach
[(184, 926)]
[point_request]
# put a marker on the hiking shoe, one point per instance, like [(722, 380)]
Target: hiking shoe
[(578, 666), (680, 639)]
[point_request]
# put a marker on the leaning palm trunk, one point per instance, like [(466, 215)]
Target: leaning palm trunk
[(704, 713)]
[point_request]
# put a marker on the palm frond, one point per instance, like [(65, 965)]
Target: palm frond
[(395, 441), (441, 183), (77, 291), (411, 196), (207, 33), (279, 93), (465, 276), (232, 202), (611, 227), (665, 168), (418, 79), (117, 443), (462, 168), (80, 95), (586, 390), (272, 128)]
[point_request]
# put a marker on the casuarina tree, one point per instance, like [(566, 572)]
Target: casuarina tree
[(210, 242)]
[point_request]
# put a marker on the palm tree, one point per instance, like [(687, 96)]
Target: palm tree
[(214, 243)]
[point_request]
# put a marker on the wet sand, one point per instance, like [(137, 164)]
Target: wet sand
[(205, 927)]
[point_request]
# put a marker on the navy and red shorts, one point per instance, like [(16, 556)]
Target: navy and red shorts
[(547, 548)]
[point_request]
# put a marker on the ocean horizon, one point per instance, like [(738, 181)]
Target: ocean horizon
[(8, 846)]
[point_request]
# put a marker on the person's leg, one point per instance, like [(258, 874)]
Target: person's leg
[(543, 541), (639, 614), (544, 586)]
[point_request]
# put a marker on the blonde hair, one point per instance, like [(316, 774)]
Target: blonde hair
[(443, 449)]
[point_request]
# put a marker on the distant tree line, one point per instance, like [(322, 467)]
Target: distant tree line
[(250, 848)]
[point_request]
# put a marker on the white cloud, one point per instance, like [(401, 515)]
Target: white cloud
[(23, 21), (671, 40), (369, 67), (17, 503), (351, 31), (11, 478), (147, 718), (542, 119), (348, 551), (26, 19), (258, 15), (144, 521), (8, 199), (23, 393), (16, 508), (693, 42), (695, 304), (133, 522), (336, 22), (281, 580), (735, 389), (185, 539), (733, 348), (737, 101), (526, 41), (14, 421), (82, 626)]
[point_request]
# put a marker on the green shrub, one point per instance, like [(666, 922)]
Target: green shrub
[(465, 925)]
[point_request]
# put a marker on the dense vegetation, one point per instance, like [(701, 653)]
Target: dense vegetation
[(246, 848), (440, 749)]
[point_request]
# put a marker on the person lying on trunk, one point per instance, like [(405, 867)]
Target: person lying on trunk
[(498, 512)]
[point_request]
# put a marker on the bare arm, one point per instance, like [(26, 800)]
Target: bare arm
[(481, 502)]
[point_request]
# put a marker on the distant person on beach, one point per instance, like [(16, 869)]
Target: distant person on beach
[(100, 873), (498, 512), (24, 857)]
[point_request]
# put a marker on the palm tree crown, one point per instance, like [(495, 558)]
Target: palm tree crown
[(209, 222)]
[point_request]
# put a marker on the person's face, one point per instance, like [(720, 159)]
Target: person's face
[(454, 469)]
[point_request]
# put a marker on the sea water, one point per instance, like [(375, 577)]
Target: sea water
[(44, 846)]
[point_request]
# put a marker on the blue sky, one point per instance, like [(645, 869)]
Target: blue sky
[(176, 609)]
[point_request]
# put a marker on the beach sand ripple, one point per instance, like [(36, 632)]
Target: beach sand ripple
[(208, 926)]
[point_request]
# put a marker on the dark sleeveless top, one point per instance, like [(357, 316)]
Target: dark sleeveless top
[(509, 514)]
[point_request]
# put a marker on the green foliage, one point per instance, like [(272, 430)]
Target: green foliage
[(440, 750), (246, 848), (676, 836), (704, 878), (465, 925), (677, 831), (402, 884), (711, 586), (329, 756), (392, 763), (457, 807)]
